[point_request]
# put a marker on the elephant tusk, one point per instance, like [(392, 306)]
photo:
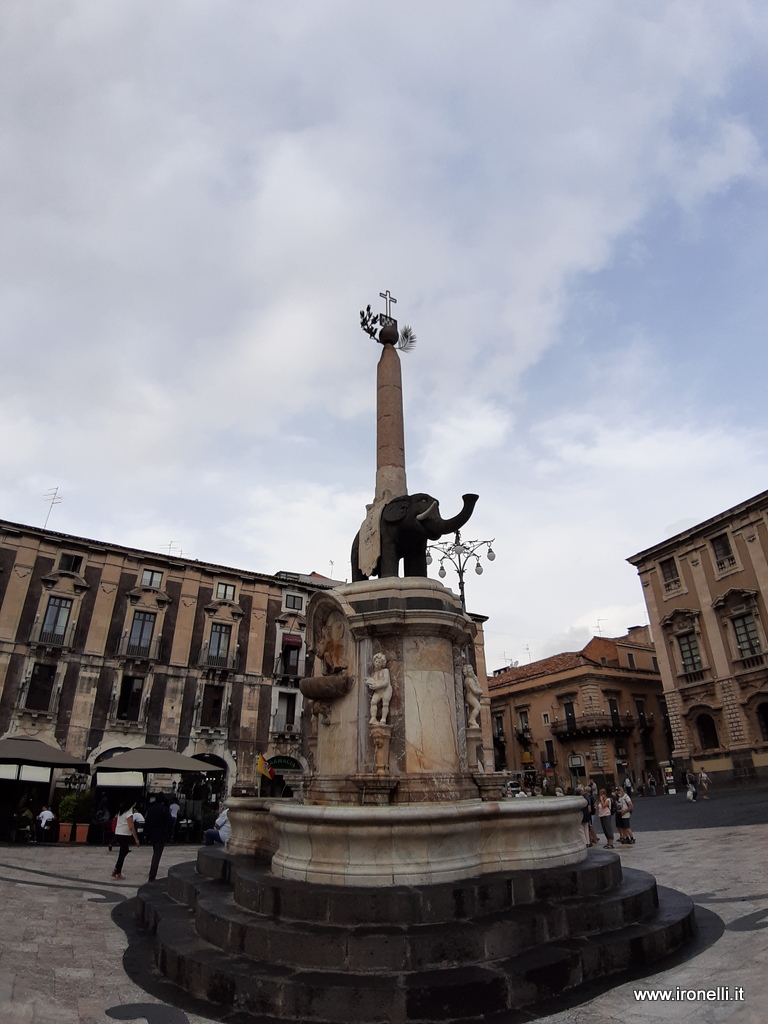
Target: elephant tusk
[(427, 512)]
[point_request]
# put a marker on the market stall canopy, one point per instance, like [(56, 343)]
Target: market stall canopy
[(25, 750), (154, 759)]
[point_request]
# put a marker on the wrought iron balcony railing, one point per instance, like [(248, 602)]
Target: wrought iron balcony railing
[(584, 725), (128, 648), (52, 637), (214, 659)]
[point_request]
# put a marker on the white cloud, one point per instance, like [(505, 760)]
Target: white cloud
[(197, 198)]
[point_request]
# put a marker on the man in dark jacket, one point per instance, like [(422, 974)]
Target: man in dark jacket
[(157, 829)]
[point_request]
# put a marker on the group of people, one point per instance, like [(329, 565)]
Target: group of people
[(695, 782), (158, 826), (613, 810)]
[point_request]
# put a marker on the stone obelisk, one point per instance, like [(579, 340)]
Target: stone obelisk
[(390, 433)]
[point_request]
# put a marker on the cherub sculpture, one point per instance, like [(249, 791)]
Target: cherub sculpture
[(472, 694), (381, 690)]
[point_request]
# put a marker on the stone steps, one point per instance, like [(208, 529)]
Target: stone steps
[(308, 967)]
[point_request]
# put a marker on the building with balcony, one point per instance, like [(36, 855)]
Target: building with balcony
[(598, 713), (105, 647), (706, 591)]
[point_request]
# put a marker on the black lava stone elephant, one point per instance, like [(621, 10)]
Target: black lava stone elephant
[(408, 524)]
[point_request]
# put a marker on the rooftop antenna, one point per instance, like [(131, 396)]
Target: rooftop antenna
[(599, 630), (52, 497), (331, 565), (527, 649)]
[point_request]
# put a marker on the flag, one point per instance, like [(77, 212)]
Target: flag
[(265, 768)]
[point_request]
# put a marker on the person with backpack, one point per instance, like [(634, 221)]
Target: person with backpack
[(624, 813), (605, 812)]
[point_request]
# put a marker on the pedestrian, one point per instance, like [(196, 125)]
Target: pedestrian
[(605, 814), (624, 812), (221, 830), (124, 831), (652, 785), (174, 809), (138, 822), (592, 797), (585, 815), (628, 786), (692, 792), (704, 783), (157, 829)]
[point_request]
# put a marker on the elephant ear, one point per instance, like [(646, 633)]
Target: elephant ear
[(396, 510)]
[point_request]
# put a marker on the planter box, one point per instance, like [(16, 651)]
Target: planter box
[(81, 833), (65, 832)]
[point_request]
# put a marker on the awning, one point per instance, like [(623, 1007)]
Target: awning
[(292, 640)]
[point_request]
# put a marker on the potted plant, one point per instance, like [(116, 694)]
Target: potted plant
[(83, 814), (66, 817)]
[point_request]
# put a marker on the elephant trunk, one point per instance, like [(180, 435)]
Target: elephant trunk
[(452, 525)]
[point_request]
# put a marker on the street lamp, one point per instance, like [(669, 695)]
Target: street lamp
[(459, 554)]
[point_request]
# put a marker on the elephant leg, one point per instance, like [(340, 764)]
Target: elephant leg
[(415, 563), (357, 574), (389, 562)]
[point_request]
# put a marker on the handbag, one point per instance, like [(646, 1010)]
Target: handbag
[(689, 795)]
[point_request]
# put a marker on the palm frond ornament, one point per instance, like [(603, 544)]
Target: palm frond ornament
[(407, 340)]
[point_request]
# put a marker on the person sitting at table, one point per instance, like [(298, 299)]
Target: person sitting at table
[(44, 824)]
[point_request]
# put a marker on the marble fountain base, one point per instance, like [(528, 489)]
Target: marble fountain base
[(323, 916)]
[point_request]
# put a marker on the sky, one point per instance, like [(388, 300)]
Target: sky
[(568, 200)]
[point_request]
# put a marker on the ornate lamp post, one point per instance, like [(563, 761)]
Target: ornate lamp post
[(459, 554)]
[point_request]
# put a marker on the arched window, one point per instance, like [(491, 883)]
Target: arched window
[(707, 732), (762, 717)]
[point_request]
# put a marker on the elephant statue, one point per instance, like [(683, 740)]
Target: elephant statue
[(406, 526)]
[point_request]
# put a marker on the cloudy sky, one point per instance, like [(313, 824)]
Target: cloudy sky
[(569, 201)]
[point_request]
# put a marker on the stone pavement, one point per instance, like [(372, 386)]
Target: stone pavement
[(61, 953)]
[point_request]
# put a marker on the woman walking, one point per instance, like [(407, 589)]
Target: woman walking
[(124, 830), (605, 814)]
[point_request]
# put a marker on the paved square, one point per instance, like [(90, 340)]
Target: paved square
[(61, 954)]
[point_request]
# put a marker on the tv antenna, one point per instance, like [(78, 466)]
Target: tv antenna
[(53, 498)]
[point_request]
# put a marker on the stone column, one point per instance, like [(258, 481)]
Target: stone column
[(390, 434)]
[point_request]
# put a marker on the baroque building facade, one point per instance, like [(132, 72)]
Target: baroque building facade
[(706, 591), (598, 713), (105, 648)]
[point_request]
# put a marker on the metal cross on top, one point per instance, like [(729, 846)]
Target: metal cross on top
[(388, 299)]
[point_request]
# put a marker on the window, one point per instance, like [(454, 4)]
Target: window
[(210, 714), (70, 563), (151, 578), (218, 648), (689, 652), (129, 701), (745, 630), (570, 714), (294, 602), (40, 687), (290, 652), (631, 659), (721, 547), (523, 716), (762, 718), (56, 620), (498, 726), (669, 574), (549, 747), (640, 705), (655, 662), (225, 591), (140, 639), (545, 718), (613, 710), (707, 732), (285, 717)]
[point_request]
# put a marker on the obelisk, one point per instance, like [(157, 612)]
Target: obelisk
[(390, 433)]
